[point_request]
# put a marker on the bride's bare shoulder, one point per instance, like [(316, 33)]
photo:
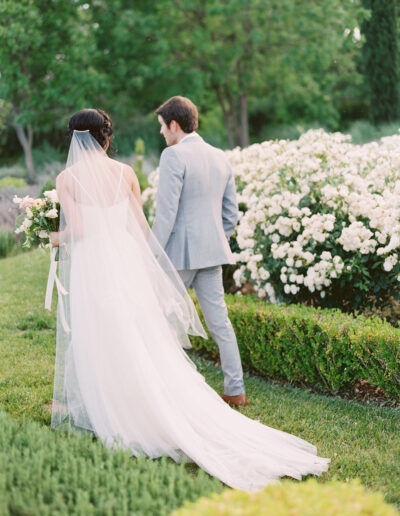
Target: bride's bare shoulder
[(128, 171), (119, 164), (61, 177)]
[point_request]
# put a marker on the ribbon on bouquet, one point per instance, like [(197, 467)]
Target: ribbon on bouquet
[(53, 278)]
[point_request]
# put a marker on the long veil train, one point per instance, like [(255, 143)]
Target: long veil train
[(121, 370)]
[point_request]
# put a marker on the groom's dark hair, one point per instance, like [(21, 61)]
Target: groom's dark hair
[(182, 110)]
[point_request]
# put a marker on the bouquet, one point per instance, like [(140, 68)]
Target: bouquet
[(41, 216)]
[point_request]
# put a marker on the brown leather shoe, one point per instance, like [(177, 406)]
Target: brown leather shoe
[(237, 401)]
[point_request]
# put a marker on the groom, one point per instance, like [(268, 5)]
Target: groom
[(195, 215)]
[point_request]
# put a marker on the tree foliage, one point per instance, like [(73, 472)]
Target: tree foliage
[(248, 64), (46, 70), (232, 52), (380, 54)]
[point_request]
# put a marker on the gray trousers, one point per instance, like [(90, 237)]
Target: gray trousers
[(208, 286)]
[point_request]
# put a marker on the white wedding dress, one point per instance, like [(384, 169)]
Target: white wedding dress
[(121, 370)]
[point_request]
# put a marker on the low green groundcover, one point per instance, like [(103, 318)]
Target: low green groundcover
[(12, 182), (294, 499), (43, 472), (326, 349)]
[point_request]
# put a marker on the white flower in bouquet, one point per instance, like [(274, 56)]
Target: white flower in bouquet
[(27, 223), (52, 214), (39, 203), (24, 202), (52, 195)]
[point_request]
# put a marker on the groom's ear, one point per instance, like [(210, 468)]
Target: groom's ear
[(174, 126)]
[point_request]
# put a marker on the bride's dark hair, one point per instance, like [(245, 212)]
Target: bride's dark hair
[(97, 121)]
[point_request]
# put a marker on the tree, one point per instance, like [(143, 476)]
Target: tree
[(380, 54), (243, 50), (46, 51), (289, 54)]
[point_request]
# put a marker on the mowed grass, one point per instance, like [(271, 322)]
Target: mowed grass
[(362, 441)]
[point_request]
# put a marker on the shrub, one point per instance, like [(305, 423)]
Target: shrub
[(363, 131), (15, 170), (319, 220), (7, 243), (12, 182), (323, 348), (44, 472), (301, 499)]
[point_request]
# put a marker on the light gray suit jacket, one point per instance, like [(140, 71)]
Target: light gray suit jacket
[(196, 209)]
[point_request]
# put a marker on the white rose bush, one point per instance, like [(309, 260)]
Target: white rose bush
[(319, 219), (39, 217)]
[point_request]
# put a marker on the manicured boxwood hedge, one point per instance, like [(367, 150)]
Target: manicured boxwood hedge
[(301, 499), (325, 349)]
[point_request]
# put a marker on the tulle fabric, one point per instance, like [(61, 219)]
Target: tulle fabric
[(121, 370)]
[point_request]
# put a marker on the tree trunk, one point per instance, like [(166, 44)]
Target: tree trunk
[(244, 121), (234, 115), (25, 138), (227, 119)]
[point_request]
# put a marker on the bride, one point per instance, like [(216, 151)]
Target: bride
[(121, 370)]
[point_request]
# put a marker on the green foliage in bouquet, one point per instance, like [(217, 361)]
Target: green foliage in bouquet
[(288, 498), (48, 186), (325, 349)]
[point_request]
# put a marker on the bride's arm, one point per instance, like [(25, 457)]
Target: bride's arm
[(72, 217), (137, 202)]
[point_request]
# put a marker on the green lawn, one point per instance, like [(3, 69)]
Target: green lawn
[(363, 441)]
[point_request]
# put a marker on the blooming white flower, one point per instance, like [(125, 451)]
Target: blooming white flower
[(25, 202), (52, 214), (52, 195), (38, 203)]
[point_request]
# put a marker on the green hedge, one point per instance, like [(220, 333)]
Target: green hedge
[(298, 499), (324, 349), (45, 473)]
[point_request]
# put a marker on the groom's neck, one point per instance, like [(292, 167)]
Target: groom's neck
[(180, 136), (183, 135)]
